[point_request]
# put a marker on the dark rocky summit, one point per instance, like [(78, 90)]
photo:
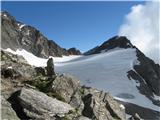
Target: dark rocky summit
[(16, 35), (74, 51), (115, 42), (29, 93)]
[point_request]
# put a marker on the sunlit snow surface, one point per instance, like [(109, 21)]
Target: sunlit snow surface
[(36, 61), (105, 71)]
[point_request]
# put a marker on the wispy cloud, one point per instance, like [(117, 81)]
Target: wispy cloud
[(141, 26)]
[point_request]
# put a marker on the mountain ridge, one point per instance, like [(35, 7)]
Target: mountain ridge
[(16, 35)]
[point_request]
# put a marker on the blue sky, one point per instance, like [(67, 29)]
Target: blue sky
[(83, 25)]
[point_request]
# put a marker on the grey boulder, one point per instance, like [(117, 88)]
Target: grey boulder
[(38, 105)]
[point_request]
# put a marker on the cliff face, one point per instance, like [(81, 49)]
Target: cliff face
[(16, 35)]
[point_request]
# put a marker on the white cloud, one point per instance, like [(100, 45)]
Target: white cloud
[(141, 26)]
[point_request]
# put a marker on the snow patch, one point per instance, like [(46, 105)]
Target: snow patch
[(20, 26), (156, 97), (10, 67), (136, 62), (4, 15), (121, 106)]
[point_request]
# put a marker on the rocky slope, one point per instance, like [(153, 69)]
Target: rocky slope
[(16, 35), (29, 93)]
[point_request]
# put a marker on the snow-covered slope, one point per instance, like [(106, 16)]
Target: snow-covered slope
[(106, 71), (37, 61)]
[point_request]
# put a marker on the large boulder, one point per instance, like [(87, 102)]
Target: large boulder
[(65, 86), (38, 105)]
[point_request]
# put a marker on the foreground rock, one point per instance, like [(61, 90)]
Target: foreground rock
[(65, 86), (7, 111), (38, 105), (92, 103), (100, 105)]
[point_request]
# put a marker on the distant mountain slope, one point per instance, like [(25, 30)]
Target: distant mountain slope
[(146, 70), (17, 35)]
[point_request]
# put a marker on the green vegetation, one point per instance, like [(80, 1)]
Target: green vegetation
[(65, 118), (41, 83), (56, 95), (82, 90)]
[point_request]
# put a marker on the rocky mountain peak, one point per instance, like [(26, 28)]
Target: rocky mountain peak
[(6, 15), (16, 35), (117, 41), (74, 51), (114, 42)]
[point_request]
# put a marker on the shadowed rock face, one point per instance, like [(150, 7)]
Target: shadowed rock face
[(74, 51), (16, 35), (149, 71)]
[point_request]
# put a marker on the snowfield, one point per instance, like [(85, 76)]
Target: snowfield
[(37, 61), (105, 71)]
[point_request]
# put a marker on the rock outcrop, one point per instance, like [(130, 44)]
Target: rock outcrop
[(74, 51), (149, 71), (99, 105), (115, 42), (16, 35), (50, 67), (38, 105)]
